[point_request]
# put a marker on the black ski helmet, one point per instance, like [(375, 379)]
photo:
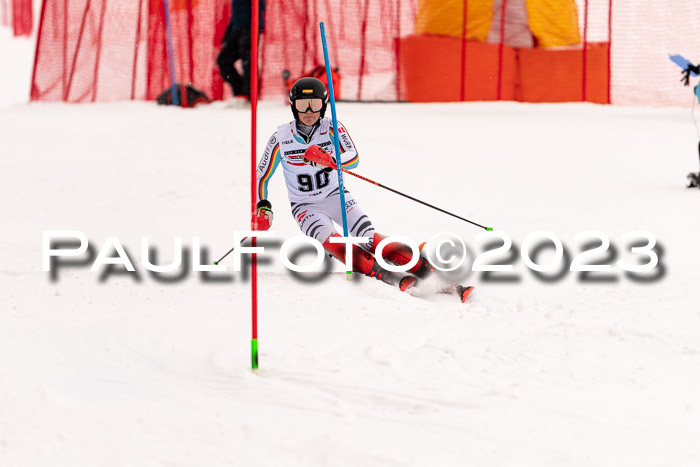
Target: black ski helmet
[(308, 88)]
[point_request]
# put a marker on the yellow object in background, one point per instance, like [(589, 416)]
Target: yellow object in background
[(553, 23), (444, 18)]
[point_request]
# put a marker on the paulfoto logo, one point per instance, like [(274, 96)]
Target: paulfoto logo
[(492, 253)]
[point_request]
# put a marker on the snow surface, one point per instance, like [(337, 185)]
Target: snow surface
[(123, 372)]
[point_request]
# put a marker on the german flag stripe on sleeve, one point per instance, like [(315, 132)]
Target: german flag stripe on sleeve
[(352, 162), (262, 187), (342, 150)]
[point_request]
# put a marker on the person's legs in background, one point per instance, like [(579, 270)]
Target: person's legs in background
[(230, 52), (244, 40)]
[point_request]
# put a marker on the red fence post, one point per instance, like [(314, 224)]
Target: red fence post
[(397, 50), (315, 37), (585, 50), (500, 50), (362, 50), (463, 72), (64, 82), (34, 91), (99, 51), (190, 40), (306, 44), (610, 5)]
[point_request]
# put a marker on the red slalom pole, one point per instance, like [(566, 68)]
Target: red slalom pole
[(253, 150)]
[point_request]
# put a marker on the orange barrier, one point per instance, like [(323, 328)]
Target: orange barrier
[(557, 75), (431, 72)]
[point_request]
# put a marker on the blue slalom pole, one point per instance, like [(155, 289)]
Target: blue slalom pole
[(336, 140), (173, 86)]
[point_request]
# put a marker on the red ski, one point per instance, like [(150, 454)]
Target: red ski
[(461, 291)]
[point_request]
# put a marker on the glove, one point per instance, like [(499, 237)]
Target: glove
[(686, 73), (262, 219), (316, 156)]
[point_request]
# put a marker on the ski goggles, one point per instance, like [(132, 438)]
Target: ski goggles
[(303, 105)]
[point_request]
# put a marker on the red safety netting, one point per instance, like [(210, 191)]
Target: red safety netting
[(90, 50), (97, 50), (362, 43), (18, 14), (5, 12), (642, 39)]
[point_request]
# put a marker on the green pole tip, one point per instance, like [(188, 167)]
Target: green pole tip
[(254, 353), (215, 263), (489, 229)]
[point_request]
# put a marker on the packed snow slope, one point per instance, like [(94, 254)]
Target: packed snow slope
[(111, 368)]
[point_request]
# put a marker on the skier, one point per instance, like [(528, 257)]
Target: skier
[(313, 188)]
